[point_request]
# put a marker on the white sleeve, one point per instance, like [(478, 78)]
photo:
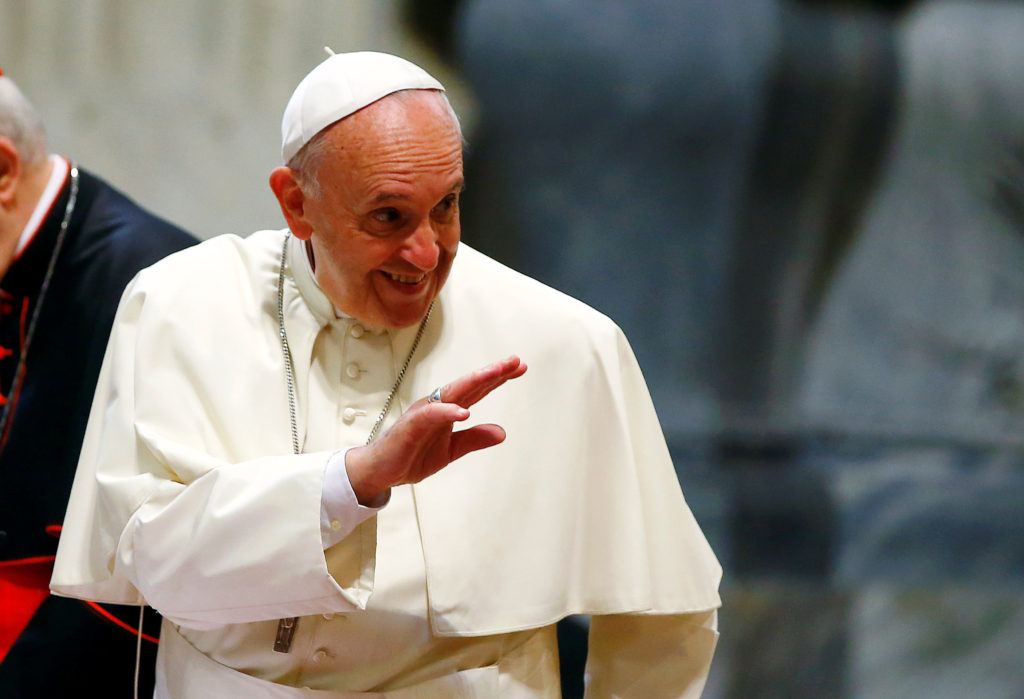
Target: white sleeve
[(340, 511), (241, 543)]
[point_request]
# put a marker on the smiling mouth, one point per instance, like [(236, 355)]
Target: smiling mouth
[(406, 278)]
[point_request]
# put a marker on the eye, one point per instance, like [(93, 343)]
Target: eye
[(384, 221), (388, 215), (447, 207)]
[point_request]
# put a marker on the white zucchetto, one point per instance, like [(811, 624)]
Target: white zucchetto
[(342, 85)]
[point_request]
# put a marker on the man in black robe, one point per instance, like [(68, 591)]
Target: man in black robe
[(69, 244)]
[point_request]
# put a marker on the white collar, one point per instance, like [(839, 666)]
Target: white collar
[(305, 280), (58, 174)]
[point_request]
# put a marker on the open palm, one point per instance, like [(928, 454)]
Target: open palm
[(424, 441)]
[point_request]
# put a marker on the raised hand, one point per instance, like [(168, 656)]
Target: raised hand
[(423, 440)]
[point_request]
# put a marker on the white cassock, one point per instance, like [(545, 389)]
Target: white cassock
[(188, 497)]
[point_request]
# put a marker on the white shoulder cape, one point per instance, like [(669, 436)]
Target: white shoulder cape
[(579, 511)]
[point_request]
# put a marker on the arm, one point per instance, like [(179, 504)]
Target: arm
[(199, 532), (646, 655)]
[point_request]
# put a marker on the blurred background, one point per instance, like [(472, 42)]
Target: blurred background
[(808, 217)]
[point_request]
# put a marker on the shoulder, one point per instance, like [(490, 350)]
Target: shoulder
[(218, 290), (213, 266), (112, 227), (511, 297)]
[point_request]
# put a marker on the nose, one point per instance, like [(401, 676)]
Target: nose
[(421, 247)]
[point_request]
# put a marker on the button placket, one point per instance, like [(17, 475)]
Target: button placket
[(366, 375), (316, 650)]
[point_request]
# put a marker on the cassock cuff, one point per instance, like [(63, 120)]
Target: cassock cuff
[(340, 511)]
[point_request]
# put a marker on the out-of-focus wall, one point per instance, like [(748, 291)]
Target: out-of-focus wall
[(179, 103)]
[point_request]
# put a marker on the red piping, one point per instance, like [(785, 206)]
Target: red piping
[(114, 620)]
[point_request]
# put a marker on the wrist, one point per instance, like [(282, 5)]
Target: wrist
[(359, 467)]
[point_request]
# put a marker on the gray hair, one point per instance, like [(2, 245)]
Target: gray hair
[(306, 163), (20, 123)]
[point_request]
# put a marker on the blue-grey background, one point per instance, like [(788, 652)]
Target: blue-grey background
[(807, 216), (809, 219)]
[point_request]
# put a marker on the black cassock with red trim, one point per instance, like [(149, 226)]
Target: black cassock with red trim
[(51, 646)]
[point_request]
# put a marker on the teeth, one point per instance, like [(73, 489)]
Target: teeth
[(404, 279)]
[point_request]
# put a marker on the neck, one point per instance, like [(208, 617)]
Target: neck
[(309, 255), (30, 189)]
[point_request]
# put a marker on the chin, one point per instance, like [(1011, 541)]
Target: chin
[(399, 321)]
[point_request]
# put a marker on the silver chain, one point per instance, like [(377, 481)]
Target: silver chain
[(43, 288), (285, 350), (401, 375)]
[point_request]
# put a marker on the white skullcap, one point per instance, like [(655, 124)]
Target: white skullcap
[(341, 85)]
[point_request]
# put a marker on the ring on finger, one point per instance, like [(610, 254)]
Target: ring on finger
[(435, 396)]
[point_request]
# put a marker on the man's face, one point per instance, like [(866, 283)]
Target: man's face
[(385, 227)]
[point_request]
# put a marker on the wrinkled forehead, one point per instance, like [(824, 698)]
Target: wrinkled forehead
[(404, 136)]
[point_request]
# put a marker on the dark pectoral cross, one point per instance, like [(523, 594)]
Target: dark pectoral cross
[(285, 632)]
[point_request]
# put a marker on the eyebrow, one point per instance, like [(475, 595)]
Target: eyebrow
[(458, 186), (388, 196)]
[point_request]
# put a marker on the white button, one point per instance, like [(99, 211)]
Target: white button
[(329, 615), (348, 415), (352, 371), (335, 525), (321, 655), (356, 330)]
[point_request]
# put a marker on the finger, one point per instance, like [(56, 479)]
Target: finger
[(489, 381), (473, 387), (486, 378), (475, 438), (436, 414), (414, 425)]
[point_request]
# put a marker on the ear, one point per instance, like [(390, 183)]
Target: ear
[(292, 201), (10, 172)]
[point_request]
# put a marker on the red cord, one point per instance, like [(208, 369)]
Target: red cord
[(113, 619)]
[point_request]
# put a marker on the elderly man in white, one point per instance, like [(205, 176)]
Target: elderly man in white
[(269, 457)]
